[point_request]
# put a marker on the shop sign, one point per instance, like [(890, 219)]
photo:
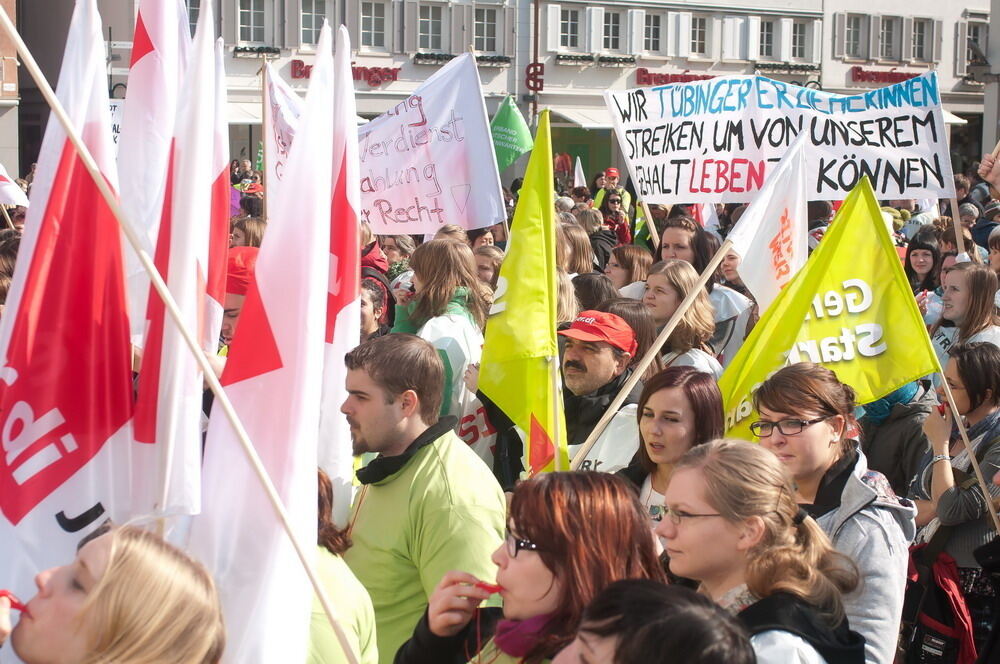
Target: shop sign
[(374, 76), (859, 75), (645, 77)]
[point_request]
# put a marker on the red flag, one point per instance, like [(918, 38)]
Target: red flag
[(66, 394)]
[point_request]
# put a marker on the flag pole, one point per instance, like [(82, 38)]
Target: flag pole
[(6, 217), (263, 134), (221, 399), (655, 234), (972, 456), (650, 355)]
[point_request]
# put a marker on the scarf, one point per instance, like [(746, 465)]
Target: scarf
[(518, 637)]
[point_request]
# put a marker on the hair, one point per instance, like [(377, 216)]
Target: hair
[(590, 531), (253, 230), (567, 306), (404, 243), (477, 233), (641, 321), (581, 192), (328, 535), (252, 206), (698, 323), (810, 388), (593, 182), (564, 204), (653, 622), (962, 182), (744, 481), (702, 392), (176, 617), (566, 218), (947, 236), (978, 365), (924, 242), (452, 232), (819, 210), (606, 206), (9, 248), (994, 239), (592, 289), (581, 254), (375, 291), (399, 362), (700, 244), (633, 259), (981, 283), (496, 256), (591, 220), (445, 266)]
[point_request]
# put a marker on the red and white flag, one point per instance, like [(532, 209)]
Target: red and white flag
[(167, 464), (275, 380), (282, 111), (159, 52), (10, 193), (706, 215), (343, 330), (218, 243), (771, 236), (65, 385)]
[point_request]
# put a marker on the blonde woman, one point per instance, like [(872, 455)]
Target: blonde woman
[(580, 255), (128, 598), (730, 521), (667, 284)]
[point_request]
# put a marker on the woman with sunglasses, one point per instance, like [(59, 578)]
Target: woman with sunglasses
[(615, 218), (569, 535), (807, 421)]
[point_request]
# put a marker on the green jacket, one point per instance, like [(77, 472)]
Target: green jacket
[(433, 509)]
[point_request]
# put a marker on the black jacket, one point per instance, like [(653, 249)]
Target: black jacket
[(602, 242), (787, 613), (424, 647)]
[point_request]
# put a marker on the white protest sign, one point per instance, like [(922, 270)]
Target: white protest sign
[(717, 140), (429, 161)]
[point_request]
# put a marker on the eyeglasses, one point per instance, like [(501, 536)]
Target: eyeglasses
[(763, 429), (614, 200), (676, 516), (515, 544)]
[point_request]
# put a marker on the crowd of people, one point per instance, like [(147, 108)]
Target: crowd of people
[(671, 543)]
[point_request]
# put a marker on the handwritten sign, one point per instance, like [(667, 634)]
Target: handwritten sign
[(117, 107), (429, 161), (716, 140)]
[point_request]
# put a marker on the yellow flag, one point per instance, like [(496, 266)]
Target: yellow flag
[(520, 354), (850, 309)]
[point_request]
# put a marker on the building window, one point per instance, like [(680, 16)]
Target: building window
[(651, 36), (313, 15), (193, 9), (612, 31), (699, 35), (251, 20), (486, 30), (373, 24), (922, 39), (569, 28), (888, 39), (430, 27), (853, 42), (766, 39), (978, 33), (799, 41)]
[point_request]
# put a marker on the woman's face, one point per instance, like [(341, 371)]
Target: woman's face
[(995, 259), (483, 240), (958, 391), (729, 267), (667, 426), (600, 181), (484, 269), (703, 548), (956, 296), (660, 298), (51, 629), (239, 238), (616, 273), (677, 243), (921, 261), (529, 587), (809, 453)]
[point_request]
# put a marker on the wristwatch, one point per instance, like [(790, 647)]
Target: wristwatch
[(939, 457)]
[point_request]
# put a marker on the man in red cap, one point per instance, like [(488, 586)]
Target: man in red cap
[(611, 179), (599, 348)]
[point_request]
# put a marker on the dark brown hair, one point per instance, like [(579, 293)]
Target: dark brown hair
[(400, 362), (590, 532), (637, 315), (328, 535), (978, 365), (253, 230), (633, 259), (701, 391)]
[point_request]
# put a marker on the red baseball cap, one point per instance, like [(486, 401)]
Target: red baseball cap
[(601, 326), (610, 172)]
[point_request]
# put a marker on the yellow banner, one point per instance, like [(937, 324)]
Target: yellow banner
[(850, 309)]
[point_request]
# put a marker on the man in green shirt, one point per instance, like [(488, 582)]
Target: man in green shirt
[(428, 504)]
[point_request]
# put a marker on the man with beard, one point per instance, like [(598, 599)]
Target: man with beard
[(427, 504)]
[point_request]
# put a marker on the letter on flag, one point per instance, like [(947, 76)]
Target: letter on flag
[(65, 385), (771, 236), (511, 135), (850, 309), (282, 110), (520, 352)]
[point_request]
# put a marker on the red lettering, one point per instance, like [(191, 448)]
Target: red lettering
[(755, 174), (721, 176), (738, 166), (467, 429), (298, 69)]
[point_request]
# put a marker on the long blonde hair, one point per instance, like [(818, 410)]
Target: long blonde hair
[(567, 306), (743, 481), (698, 323), (445, 266), (154, 603)]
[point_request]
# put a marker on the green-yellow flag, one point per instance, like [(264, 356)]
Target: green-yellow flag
[(520, 354), (850, 309), (511, 135)]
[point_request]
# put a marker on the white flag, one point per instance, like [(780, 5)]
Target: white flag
[(274, 380), (282, 111), (579, 179), (771, 236)]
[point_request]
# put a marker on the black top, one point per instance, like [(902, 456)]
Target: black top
[(424, 647), (831, 486)]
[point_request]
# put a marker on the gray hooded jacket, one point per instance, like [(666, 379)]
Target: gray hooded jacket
[(874, 528)]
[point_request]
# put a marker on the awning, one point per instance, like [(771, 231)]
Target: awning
[(249, 113), (588, 117), (952, 119)]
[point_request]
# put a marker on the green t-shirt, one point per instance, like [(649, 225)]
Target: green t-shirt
[(352, 608), (443, 511)]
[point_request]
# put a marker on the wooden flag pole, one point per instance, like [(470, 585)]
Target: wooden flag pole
[(6, 217), (650, 355), (654, 232), (221, 399)]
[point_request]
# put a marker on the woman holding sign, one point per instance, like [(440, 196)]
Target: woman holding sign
[(807, 421)]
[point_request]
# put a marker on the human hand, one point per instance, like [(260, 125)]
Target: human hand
[(453, 602), (471, 378), (5, 627), (937, 427), (988, 170), (922, 302)]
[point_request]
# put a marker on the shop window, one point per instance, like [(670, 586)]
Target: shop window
[(430, 27), (486, 30), (978, 33), (373, 25), (651, 34), (699, 35), (612, 31), (313, 15), (569, 28)]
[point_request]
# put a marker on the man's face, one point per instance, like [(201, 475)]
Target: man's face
[(375, 421), (232, 307), (590, 365), (245, 164), (610, 181), (17, 217)]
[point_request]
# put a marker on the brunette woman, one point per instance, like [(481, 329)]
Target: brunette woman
[(969, 312), (923, 262), (627, 268)]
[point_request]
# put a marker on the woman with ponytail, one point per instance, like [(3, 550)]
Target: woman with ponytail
[(731, 522), (807, 421)]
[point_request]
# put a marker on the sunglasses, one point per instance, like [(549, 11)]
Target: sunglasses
[(614, 200)]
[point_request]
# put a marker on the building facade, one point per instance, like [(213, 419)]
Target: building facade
[(580, 49)]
